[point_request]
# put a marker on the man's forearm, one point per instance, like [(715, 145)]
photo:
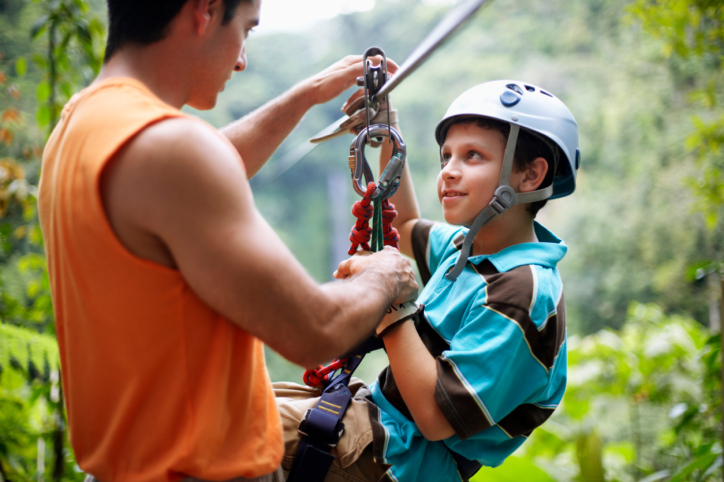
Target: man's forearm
[(360, 307), (257, 135)]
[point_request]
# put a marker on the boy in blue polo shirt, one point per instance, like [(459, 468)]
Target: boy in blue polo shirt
[(484, 363)]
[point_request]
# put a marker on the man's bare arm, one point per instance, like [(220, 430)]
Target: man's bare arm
[(180, 183), (257, 135)]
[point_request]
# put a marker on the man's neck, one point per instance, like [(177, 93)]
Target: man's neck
[(150, 65)]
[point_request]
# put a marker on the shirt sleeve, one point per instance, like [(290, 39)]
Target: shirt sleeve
[(431, 243), (489, 373)]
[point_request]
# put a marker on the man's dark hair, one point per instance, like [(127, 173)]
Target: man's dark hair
[(144, 22), (528, 148)]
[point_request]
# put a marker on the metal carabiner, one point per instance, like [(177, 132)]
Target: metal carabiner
[(373, 80), (390, 178)]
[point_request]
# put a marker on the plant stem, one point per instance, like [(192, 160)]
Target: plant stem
[(53, 76)]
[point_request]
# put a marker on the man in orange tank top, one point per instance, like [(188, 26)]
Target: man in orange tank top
[(165, 278)]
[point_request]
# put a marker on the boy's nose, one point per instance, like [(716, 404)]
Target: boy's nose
[(450, 171)]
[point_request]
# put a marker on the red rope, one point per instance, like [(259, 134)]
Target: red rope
[(390, 234), (361, 231), (360, 236), (320, 375)]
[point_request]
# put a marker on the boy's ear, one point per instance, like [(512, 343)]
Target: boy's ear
[(204, 11), (534, 174)]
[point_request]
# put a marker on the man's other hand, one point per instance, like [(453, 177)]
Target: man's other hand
[(388, 263)]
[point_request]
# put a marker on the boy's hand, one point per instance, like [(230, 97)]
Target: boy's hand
[(389, 264)]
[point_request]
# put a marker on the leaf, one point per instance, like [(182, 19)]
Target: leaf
[(40, 61), (43, 116), (700, 463), (21, 67), (14, 92), (655, 477), (6, 136), (39, 26), (11, 114), (43, 91), (3, 78), (514, 469)]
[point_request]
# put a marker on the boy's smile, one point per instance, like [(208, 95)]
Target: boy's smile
[(472, 157)]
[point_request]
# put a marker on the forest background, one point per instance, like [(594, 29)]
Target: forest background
[(643, 276)]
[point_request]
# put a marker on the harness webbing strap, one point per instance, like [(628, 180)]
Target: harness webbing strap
[(322, 427), (509, 155)]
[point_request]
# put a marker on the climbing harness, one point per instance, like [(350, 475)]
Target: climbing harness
[(522, 106)]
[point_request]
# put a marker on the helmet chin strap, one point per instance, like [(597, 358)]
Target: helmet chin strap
[(503, 199)]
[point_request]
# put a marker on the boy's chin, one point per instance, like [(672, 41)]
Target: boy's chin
[(457, 220)]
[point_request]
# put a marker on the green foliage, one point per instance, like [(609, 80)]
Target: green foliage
[(35, 353), (74, 53), (514, 469), (33, 439), (641, 402), (692, 37)]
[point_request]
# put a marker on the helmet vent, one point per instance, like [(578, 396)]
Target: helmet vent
[(545, 93), (530, 88), (515, 88)]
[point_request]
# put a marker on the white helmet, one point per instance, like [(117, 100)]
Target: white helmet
[(523, 106)]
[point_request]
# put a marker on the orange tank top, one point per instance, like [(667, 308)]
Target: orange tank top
[(157, 385)]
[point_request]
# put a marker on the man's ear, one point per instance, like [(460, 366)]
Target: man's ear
[(534, 174), (204, 12)]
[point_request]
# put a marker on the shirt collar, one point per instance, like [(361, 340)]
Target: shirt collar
[(547, 252)]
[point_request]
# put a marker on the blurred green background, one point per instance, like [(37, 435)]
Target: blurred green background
[(643, 276)]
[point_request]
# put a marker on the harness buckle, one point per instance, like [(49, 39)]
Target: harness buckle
[(331, 441), (503, 199)]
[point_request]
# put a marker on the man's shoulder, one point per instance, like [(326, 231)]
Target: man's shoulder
[(180, 143)]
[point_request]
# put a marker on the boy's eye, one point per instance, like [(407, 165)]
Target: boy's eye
[(474, 155), (444, 159)]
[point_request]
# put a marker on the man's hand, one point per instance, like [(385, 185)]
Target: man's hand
[(340, 76), (257, 135), (389, 264)]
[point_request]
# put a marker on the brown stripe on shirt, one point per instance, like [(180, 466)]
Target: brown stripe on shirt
[(524, 419), (511, 293), (459, 406)]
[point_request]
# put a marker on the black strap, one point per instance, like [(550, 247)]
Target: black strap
[(322, 427), (466, 467)]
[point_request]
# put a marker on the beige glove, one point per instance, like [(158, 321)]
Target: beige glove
[(397, 314)]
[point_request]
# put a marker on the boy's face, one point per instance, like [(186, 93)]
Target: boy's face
[(472, 159)]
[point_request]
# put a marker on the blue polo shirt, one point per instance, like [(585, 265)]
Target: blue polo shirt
[(499, 338)]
